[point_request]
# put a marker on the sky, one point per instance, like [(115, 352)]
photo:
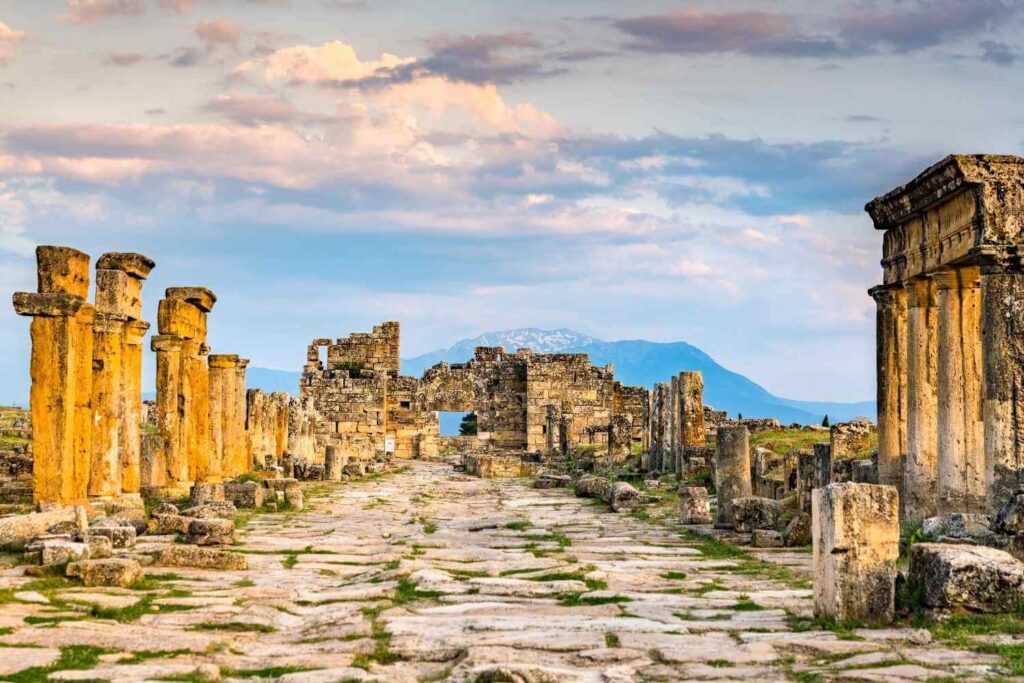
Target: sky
[(661, 170)]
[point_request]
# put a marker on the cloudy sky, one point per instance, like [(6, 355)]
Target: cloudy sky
[(663, 170)]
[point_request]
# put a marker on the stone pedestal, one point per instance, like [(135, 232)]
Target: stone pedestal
[(333, 464), (856, 533), (732, 470), (694, 507)]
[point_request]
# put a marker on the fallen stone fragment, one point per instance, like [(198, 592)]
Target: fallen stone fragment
[(354, 468), (17, 530), (109, 572), (694, 505), (202, 493), (133, 517), (101, 547), (222, 509), (245, 495), (767, 538), (169, 524), (590, 486), (798, 531), (211, 531), (119, 536), (201, 558), (55, 552), (1010, 519), (293, 498), (752, 512), (552, 481), (623, 497), (971, 577), (166, 509)]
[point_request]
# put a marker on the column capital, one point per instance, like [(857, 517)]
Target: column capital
[(48, 304), (946, 278), (166, 342), (136, 265), (112, 323), (918, 292), (135, 331), (883, 294), (223, 360), (995, 259)]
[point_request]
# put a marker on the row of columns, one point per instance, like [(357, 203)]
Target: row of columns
[(944, 437), (86, 368), (676, 421)]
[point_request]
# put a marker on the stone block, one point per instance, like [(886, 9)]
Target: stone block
[(122, 573), (552, 481), (169, 524), (293, 498), (199, 557), (101, 547), (245, 495), (766, 538), (623, 497), (798, 531), (17, 530), (118, 293), (1010, 518), (120, 536), (52, 305), (55, 552), (133, 517), (136, 265), (856, 535), (200, 297), (592, 487), (224, 509), (211, 531), (62, 270), (732, 470), (752, 512), (203, 493), (694, 505), (176, 318), (976, 578)]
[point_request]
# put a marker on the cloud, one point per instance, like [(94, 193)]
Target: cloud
[(914, 25), (998, 53), (754, 33), (333, 62), (89, 11), (216, 33), (123, 58), (184, 57), (250, 110), (477, 59), (9, 39), (583, 54), (863, 118)]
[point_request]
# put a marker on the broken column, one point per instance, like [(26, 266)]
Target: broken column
[(921, 465), (675, 427), (891, 369), (691, 391), (855, 535), (732, 470), (227, 414), (117, 374), (61, 370), (183, 389)]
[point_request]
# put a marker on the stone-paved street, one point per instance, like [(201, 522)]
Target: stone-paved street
[(427, 574)]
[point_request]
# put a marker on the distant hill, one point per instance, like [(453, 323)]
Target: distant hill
[(636, 362)]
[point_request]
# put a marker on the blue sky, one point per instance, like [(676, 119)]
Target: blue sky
[(663, 170)]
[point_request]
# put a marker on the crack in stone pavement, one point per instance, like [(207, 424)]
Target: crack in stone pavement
[(426, 574)]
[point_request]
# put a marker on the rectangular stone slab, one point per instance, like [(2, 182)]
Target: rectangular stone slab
[(62, 270)]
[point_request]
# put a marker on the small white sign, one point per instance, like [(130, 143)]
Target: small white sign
[(389, 444)]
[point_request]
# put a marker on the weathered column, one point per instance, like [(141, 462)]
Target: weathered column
[(974, 423), (855, 536), (691, 389), (170, 465), (665, 398), (822, 465), (239, 451), (105, 461), (227, 413), (732, 470), (119, 278), (675, 417), (61, 371), (1002, 293), (203, 465), (891, 368), (221, 365), (921, 465)]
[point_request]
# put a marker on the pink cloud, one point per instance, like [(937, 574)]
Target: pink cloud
[(219, 32), (88, 11), (9, 39)]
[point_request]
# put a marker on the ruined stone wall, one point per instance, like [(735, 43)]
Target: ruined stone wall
[(266, 422), (303, 422), (416, 429), (584, 394)]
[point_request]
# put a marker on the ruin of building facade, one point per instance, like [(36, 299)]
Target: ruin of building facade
[(949, 353)]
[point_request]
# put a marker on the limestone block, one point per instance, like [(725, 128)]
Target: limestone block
[(1010, 518), (133, 517), (694, 506), (17, 530), (53, 305), (752, 512), (62, 270), (856, 545), (118, 572), (732, 470), (976, 578), (293, 498), (169, 524), (590, 486), (177, 318), (246, 495), (224, 509), (211, 531), (552, 481), (101, 547), (120, 536), (957, 525), (201, 558), (119, 293), (136, 265), (203, 493), (53, 552), (798, 531), (767, 538), (623, 497), (200, 297)]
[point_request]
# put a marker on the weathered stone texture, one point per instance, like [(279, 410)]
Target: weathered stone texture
[(752, 512), (694, 506), (969, 577), (732, 470), (856, 544)]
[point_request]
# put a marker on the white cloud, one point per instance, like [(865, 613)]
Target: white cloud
[(9, 40)]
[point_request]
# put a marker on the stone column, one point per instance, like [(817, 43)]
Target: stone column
[(974, 423), (855, 537), (61, 371), (675, 415), (119, 278), (227, 413), (131, 422), (921, 464), (665, 399), (1002, 294), (105, 462), (891, 368), (691, 389), (170, 464), (204, 465), (822, 465), (220, 367), (732, 470)]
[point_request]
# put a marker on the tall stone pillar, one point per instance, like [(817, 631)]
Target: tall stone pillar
[(732, 470), (203, 465), (675, 408), (131, 422), (921, 463), (239, 452), (169, 463), (227, 413), (891, 368), (61, 371), (974, 422), (105, 463), (691, 390), (1002, 293)]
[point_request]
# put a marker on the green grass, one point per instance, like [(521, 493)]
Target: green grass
[(745, 604), (233, 627), (844, 630), (962, 631), (611, 640), (146, 655), (674, 576), (520, 524), (244, 583), (783, 441), (430, 528), (290, 561), (407, 592), (269, 672), (581, 600), (72, 657)]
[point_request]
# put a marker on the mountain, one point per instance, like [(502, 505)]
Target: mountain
[(636, 362)]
